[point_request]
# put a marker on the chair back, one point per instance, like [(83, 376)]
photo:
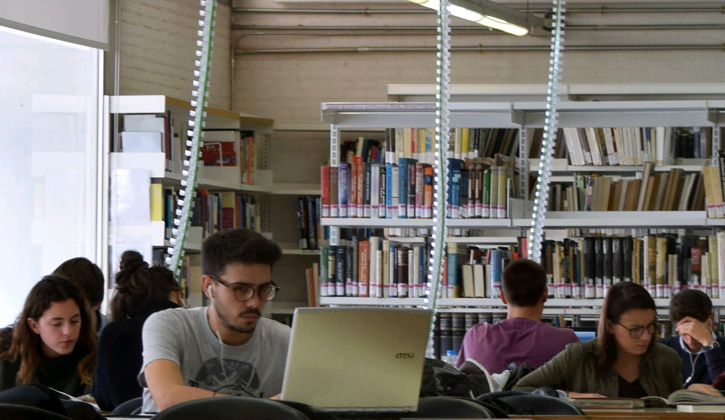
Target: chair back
[(26, 412), (444, 407), (231, 408), (130, 407), (526, 404)]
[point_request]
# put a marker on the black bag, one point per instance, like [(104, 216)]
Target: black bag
[(442, 379), (518, 371), (43, 397)]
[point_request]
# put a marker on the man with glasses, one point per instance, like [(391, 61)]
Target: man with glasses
[(226, 348), (700, 349)]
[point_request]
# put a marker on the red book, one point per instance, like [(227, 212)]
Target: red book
[(219, 153), (325, 190), (360, 181), (352, 199), (363, 273)]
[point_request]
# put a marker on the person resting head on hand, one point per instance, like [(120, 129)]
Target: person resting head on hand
[(52, 342)]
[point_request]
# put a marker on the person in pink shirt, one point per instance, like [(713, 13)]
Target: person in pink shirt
[(521, 337)]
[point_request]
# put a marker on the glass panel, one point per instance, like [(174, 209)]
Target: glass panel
[(49, 116)]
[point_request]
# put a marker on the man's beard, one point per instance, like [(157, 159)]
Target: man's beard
[(231, 326)]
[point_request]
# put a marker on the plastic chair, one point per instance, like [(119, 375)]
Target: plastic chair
[(525, 404), (130, 407), (231, 408), (26, 412), (450, 408)]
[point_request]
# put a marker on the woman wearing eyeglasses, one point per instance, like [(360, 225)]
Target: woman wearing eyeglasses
[(624, 361)]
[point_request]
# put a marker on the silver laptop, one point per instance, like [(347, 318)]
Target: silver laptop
[(357, 360)]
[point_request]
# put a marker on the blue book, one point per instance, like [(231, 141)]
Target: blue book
[(391, 207), (453, 276), (454, 187), (496, 269), (403, 188), (343, 188)]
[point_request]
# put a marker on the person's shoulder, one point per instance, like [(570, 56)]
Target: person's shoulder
[(672, 341), (666, 351), (275, 326), (558, 331), (174, 316)]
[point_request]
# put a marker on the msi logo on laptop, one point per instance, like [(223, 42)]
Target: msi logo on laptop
[(405, 355)]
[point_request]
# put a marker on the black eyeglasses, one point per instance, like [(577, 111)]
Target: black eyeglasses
[(638, 330), (243, 292)]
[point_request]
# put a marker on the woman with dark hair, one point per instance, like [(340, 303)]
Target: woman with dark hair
[(625, 360), (88, 277), (140, 291), (52, 342)]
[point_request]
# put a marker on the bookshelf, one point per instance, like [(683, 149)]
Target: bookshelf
[(168, 117), (524, 109)]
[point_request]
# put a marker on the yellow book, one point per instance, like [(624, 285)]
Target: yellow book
[(157, 202), (465, 142)]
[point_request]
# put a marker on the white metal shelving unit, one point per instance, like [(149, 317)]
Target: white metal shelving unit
[(522, 108)]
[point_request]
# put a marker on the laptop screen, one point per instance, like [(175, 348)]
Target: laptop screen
[(352, 360)]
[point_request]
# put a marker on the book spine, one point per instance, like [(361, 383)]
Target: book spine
[(367, 199), (403, 188), (325, 190), (360, 190), (312, 222), (375, 190), (331, 270), (350, 267), (340, 256), (496, 272), (334, 192), (324, 278), (364, 268), (402, 271), (411, 203), (343, 189), (599, 267), (382, 207), (302, 222)]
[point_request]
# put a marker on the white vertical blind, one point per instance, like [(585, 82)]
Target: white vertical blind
[(84, 22), (49, 116)]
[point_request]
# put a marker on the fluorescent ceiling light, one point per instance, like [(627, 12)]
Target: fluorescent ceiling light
[(502, 25), (490, 14), (457, 11)]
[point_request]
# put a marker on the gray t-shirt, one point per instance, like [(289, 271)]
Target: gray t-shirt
[(184, 337)]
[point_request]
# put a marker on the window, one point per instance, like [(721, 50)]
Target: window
[(50, 108)]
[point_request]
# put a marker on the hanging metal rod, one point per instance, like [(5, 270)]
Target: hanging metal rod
[(259, 30), (481, 48), (540, 8)]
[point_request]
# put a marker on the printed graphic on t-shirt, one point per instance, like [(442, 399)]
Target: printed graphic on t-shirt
[(236, 377)]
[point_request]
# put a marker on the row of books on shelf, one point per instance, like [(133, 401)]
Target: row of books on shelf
[(229, 148), (162, 133), (664, 264), (419, 144), (598, 146), (478, 188), (214, 211), (378, 267), (152, 133), (662, 191), (614, 146), (311, 234), (578, 267)]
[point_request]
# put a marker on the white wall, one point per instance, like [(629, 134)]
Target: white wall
[(290, 87), (158, 40)]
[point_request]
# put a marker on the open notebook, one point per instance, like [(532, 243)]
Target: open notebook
[(357, 360)]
